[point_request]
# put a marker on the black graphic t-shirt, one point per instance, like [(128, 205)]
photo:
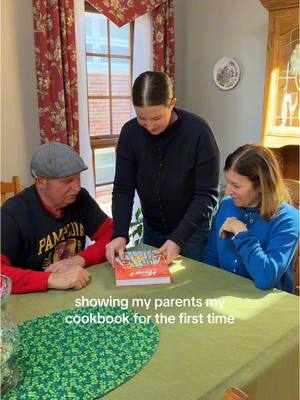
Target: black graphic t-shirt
[(33, 239)]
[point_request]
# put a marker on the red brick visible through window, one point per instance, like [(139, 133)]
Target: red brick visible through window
[(99, 108)]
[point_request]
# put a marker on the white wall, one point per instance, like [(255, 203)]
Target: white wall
[(19, 110), (87, 177), (205, 31)]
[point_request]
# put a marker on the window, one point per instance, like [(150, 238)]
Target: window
[(105, 161), (109, 78)]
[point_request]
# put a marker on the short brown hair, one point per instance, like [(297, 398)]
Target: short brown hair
[(152, 89), (260, 165)]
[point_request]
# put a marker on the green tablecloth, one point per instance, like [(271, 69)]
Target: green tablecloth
[(258, 353)]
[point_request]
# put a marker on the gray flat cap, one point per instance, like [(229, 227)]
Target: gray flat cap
[(56, 160)]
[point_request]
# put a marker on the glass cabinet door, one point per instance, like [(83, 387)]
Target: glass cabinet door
[(287, 111), (282, 99)]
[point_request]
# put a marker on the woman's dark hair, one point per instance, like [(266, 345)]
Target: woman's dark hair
[(260, 165), (152, 89)]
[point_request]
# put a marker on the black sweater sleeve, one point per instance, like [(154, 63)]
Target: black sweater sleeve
[(124, 187), (205, 193)]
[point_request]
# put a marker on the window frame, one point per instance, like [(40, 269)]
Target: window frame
[(110, 140)]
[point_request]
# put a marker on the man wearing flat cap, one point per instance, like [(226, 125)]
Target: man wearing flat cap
[(44, 227)]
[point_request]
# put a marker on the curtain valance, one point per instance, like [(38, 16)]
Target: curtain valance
[(120, 12)]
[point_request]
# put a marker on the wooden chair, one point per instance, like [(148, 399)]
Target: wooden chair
[(294, 189), (10, 188), (235, 394), (289, 158)]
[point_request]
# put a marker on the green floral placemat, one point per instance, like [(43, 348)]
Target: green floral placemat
[(81, 361)]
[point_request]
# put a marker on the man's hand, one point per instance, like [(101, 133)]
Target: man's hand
[(169, 250), (116, 246), (232, 225), (65, 264), (73, 278)]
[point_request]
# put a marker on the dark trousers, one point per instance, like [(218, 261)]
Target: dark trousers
[(193, 248)]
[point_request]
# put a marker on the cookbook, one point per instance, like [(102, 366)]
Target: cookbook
[(141, 268)]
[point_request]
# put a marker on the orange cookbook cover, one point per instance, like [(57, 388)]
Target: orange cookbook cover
[(141, 268)]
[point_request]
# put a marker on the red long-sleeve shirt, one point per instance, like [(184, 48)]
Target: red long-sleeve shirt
[(26, 280)]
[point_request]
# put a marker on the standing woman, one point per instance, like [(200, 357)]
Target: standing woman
[(171, 158), (255, 230)]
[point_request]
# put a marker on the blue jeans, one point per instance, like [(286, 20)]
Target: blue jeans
[(193, 248)]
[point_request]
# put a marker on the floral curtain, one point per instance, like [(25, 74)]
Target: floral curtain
[(121, 12), (55, 51), (163, 39)]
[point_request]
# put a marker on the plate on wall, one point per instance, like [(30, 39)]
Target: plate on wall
[(226, 73)]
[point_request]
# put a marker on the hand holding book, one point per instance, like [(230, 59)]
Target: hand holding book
[(169, 250), (116, 246)]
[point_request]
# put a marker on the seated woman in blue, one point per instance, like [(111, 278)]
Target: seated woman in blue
[(255, 231)]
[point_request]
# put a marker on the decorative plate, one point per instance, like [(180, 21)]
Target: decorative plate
[(226, 73)]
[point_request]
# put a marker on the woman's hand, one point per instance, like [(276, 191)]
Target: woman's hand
[(169, 250), (116, 246), (232, 225)]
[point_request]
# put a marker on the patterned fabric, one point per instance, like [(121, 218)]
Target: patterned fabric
[(120, 12), (54, 33), (123, 11), (163, 39), (82, 360), (55, 49)]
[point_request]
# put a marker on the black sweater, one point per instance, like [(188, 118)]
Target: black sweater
[(175, 173)]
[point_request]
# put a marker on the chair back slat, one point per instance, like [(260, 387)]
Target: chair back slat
[(294, 189), (9, 189)]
